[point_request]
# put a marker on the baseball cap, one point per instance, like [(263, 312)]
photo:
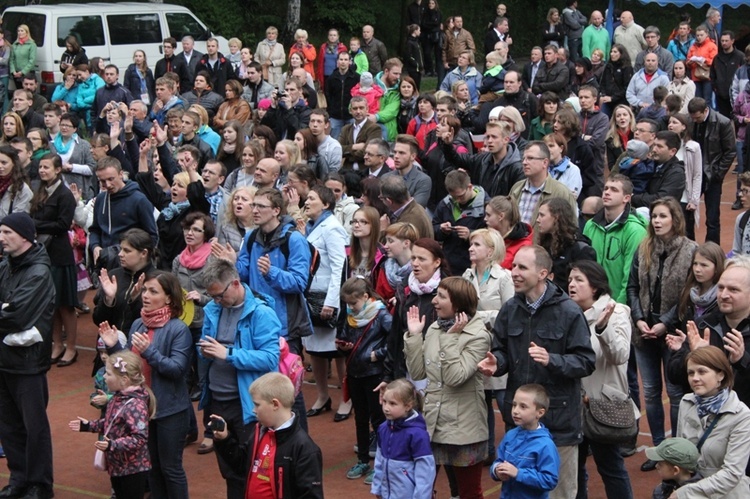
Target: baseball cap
[(677, 451)]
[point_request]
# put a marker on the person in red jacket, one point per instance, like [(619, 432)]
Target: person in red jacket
[(501, 214), (279, 457), (699, 59)]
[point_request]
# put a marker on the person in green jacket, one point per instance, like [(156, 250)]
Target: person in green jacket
[(596, 36), (23, 55), (616, 233), (390, 103), (361, 64)]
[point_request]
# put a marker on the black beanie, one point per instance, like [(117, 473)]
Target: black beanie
[(22, 224)]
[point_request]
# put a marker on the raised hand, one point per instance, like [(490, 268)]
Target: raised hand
[(460, 324), (136, 291), (414, 323), (108, 334), (603, 320), (734, 344), (141, 341), (223, 252), (676, 340), (108, 284), (488, 365), (695, 340)]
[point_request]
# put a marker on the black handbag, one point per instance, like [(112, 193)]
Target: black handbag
[(609, 421), (315, 302)]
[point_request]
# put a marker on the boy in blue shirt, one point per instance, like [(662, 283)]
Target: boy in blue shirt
[(527, 460)]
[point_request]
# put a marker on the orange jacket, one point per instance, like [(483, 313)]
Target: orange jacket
[(707, 50), (308, 54)]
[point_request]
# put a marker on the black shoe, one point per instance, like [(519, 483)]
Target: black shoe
[(317, 412), (83, 308), (11, 492), (38, 492), (737, 205), (66, 363), (649, 465), (338, 417), (191, 438)]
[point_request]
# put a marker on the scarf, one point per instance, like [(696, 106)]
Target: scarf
[(21, 41), (428, 287), (5, 184), (395, 273), (711, 405), (408, 103), (624, 138), (62, 148), (174, 209), (446, 324), (366, 315), (313, 224), (40, 152), (152, 320), (559, 169), (702, 302), (679, 258), (195, 259)]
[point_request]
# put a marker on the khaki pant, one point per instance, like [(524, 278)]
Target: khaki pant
[(567, 483)]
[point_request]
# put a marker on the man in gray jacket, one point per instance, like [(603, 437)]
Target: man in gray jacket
[(666, 60), (574, 22)]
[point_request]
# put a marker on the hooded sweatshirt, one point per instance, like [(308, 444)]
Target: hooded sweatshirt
[(126, 209), (404, 465)]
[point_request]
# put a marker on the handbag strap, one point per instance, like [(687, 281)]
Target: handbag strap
[(708, 431), (107, 428), (356, 345)]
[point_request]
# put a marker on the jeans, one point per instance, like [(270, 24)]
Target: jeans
[(489, 396), (166, 441), (634, 390), (653, 357), (611, 467), (712, 198), (574, 46), (689, 221), (231, 412), (336, 126), (705, 90)]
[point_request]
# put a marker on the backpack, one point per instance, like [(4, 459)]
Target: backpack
[(284, 247), (290, 365)]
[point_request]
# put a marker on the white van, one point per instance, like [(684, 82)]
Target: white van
[(112, 31)]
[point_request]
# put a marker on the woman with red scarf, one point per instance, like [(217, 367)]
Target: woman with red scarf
[(164, 343)]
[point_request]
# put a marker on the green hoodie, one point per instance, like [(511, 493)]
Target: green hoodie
[(615, 247), (390, 104)]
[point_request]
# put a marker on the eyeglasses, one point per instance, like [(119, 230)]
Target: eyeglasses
[(256, 206), (643, 130), (220, 296), (194, 230), (532, 158), (744, 192), (66, 125), (359, 222)]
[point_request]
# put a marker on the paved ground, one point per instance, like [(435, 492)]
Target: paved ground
[(75, 476)]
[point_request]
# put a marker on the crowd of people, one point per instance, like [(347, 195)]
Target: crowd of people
[(520, 238)]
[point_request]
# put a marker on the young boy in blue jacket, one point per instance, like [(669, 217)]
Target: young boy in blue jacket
[(527, 461)]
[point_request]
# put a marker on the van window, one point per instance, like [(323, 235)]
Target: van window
[(35, 22), (182, 23), (134, 29), (88, 30)]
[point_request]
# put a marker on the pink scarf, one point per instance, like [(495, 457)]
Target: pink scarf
[(153, 319), (195, 259)]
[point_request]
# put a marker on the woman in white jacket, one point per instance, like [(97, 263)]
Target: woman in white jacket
[(690, 155), (609, 323), (494, 287), (327, 235), (714, 415)]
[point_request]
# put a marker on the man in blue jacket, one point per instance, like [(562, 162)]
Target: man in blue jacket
[(240, 343), (275, 261)]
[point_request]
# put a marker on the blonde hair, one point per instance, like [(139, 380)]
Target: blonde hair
[(229, 213), (300, 33), (272, 386), (492, 239), (201, 112), (181, 178), (235, 41), (126, 364)]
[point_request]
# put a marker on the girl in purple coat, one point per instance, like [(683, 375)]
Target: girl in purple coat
[(124, 426)]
